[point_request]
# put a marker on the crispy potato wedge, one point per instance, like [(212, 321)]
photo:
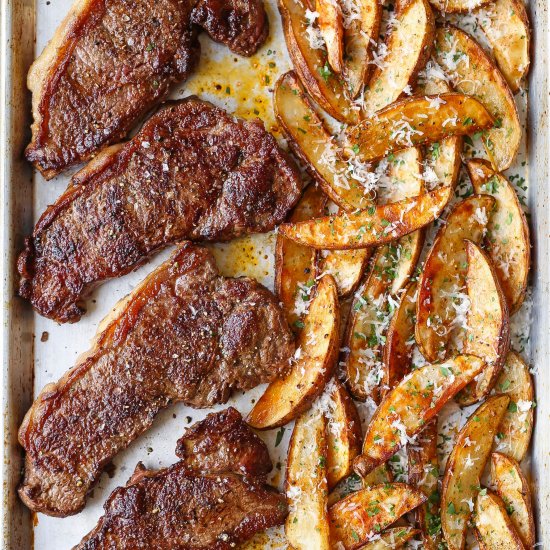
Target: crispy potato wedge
[(312, 65), (332, 31), (465, 466), (458, 6), (508, 232), (474, 73), (344, 434), (494, 529), (295, 263), (506, 26), (488, 333), (391, 539), (408, 44), (307, 524), (358, 34), (516, 427), (513, 488), (286, 398), (411, 405), (370, 227), (354, 483), (424, 473), (312, 143), (360, 516), (441, 284), (346, 266), (399, 344), (415, 121)]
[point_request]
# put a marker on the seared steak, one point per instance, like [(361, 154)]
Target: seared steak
[(110, 61), (192, 172), (223, 442), (184, 334)]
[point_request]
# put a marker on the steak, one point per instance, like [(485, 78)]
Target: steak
[(223, 442), (184, 334), (193, 172), (111, 61)]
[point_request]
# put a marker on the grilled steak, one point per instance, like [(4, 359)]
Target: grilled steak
[(192, 172), (110, 61), (223, 442), (184, 334)]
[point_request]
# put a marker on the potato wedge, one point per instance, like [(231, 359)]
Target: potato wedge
[(358, 34), (411, 405), (312, 65), (458, 6), (354, 483), (494, 529), (513, 488), (312, 143), (415, 121), (424, 473), (488, 332), (391, 539), (399, 344), (516, 427), (344, 434), (286, 398), (474, 73), (465, 466), (307, 524), (508, 232), (346, 266), (409, 43), (441, 292), (295, 263), (506, 26), (332, 30), (370, 227), (360, 516)]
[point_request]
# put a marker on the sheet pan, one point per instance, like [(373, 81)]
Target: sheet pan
[(36, 351)]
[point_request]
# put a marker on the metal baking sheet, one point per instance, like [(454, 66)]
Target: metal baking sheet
[(36, 351)]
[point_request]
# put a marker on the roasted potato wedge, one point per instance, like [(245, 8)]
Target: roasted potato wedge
[(399, 344), (307, 524), (358, 517), (354, 483), (465, 466), (344, 433), (488, 332), (441, 284), (424, 473), (332, 31), (411, 405), (506, 26), (458, 6), (474, 73), (516, 427), (346, 266), (508, 232), (295, 263), (391, 539), (494, 529), (358, 34), (312, 143), (286, 398), (370, 227), (513, 488), (415, 121), (409, 43), (312, 65)]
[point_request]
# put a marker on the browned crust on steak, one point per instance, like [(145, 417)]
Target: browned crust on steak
[(110, 61), (184, 334), (224, 442), (192, 172), (171, 509)]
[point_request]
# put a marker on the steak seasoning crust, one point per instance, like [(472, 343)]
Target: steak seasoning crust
[(110, 61), (184, 334), (193, 172)]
